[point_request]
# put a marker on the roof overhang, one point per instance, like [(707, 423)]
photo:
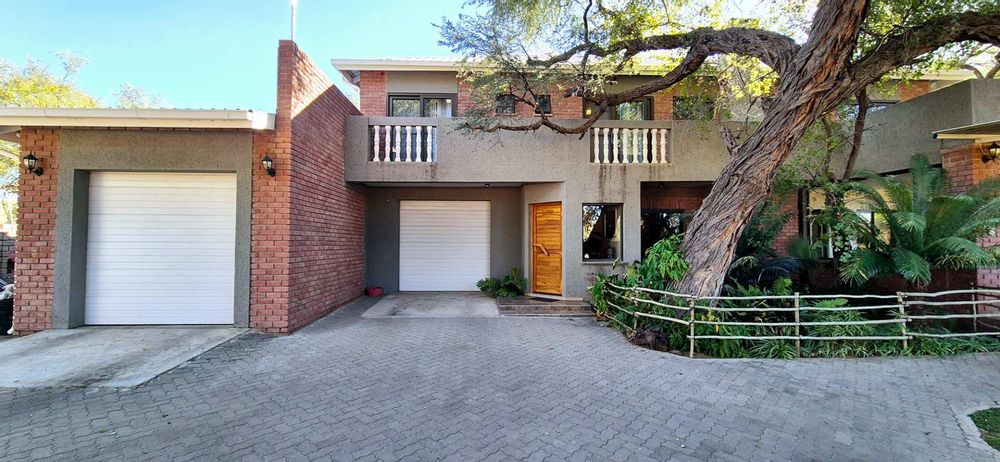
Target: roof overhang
[(351, 68), (13, 118), (979, 133)]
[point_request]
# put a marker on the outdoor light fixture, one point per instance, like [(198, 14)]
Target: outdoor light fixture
[(31, 164), (992, 152), (268, 164)]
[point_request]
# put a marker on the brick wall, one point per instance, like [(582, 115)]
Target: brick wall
[(663, 104), (791, 229), (965, 170), (670, 197), (308, 224), (374, 96), (914, 89), (36, 231)]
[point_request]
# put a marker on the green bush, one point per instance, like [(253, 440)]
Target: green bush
[(511, 285)]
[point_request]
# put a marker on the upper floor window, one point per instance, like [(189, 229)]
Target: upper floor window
[(543, 104), (639, 109), (421, 105), (506, 105), (693, 108)]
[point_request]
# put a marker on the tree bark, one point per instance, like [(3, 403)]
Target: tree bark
[(814, 85)]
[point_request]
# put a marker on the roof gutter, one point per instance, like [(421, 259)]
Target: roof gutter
[(12, 119)]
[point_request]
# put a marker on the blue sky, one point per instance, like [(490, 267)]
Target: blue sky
[(213, 53)]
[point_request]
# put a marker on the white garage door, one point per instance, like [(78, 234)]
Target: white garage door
[(161, 248), (443, 245)]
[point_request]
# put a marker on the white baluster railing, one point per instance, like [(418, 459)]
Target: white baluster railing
[(403, 143), (614, 145)]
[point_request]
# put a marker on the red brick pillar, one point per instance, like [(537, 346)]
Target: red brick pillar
[(964, 167), (308, 224), (34, 270), (374, 96)]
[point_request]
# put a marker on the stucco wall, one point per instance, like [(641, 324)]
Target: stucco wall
[(83, 151), (897, 132), (421, 82), (382, 228)]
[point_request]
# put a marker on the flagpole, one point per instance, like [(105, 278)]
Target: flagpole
[(295, 4)]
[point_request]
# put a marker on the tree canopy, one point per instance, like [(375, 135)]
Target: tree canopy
[(808, 59)]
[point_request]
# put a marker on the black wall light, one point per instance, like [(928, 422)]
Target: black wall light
[(31, 164), (992, 152), (268, 164)]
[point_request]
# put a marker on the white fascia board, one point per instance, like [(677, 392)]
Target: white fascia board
[(141, 118)]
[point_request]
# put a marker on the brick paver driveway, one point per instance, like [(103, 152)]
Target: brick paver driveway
[(500, 389)]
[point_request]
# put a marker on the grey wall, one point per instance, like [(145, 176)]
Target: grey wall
[(83, 151), (551, 167), (382, 228), (894, 134)]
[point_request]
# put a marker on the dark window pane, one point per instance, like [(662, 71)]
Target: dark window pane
[(437, 107), (634, 110), (506, 105), (404, 107), (660, 224), (544, 105), (693, 108), (602, 230)]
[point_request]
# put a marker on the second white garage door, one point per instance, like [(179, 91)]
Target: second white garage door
[(443, 245), (161, 248)]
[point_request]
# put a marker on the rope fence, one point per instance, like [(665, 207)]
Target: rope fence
[(905, 308)]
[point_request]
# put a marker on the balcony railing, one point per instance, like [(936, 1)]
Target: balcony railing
[(613, 145), (403, 143)]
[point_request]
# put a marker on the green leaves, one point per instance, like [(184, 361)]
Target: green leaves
[(924, 227)]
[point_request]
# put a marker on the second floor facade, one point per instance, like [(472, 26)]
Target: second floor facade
[(411, 129)]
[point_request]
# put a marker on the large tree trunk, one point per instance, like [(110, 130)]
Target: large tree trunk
[(813, 83)]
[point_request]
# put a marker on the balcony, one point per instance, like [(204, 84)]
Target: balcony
[(432, 150)]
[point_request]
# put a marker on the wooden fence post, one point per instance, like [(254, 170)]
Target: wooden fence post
[(691, 304), (798, 331), (902, 315), (975, 308)]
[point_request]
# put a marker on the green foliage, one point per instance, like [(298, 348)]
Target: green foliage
[(512, 285), (663, 264), (988, 421), (918, 226)]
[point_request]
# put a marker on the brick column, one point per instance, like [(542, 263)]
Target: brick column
[(965, 169), (374, 95), (308, 224), (36, 203)]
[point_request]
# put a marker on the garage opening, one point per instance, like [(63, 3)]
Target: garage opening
[(443, 245), (161, 248)]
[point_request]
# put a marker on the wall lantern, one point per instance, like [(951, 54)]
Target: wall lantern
[(992, 152), (31, 164), (268, 164)]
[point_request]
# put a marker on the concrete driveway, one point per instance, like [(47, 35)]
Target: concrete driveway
[(434, 305), (103, 356), (501, 388)]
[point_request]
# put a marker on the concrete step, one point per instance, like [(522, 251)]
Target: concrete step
[(537, 306)]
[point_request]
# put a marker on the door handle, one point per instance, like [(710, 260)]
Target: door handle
[(546, 252)]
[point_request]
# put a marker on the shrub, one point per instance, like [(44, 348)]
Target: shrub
[(511, 285)]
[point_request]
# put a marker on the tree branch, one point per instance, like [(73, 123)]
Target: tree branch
[(773, 49), (859, 128), (907, 46)]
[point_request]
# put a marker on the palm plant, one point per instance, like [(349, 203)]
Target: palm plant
[(918, 226)]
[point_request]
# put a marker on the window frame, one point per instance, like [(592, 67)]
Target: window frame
[(513, 106), (620, 232), (538, 105), (648, 113), (421, 97)]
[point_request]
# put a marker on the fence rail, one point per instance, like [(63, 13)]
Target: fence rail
[(908, 307)]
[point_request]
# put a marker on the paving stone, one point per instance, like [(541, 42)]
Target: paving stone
[(353, 388)]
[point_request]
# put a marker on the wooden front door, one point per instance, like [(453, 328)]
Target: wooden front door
[(546, 248)]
